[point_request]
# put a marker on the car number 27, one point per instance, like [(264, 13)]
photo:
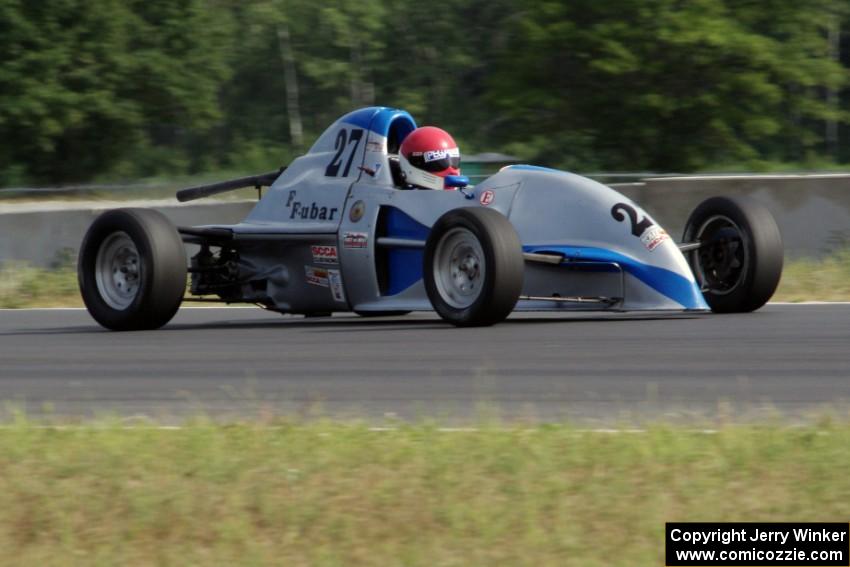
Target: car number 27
[(343, 139)]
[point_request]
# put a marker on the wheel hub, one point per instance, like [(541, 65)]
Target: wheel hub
[(458, 268), (117, 270), (469, 267), (722, 258)]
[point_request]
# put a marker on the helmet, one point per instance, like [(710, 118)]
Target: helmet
[(427, 156)]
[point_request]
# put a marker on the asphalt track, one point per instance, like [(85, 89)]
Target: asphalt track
[(609, 369)]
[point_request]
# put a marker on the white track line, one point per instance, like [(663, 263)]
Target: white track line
[(809, 303)]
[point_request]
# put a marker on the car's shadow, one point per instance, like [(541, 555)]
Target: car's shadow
[(349, 324)]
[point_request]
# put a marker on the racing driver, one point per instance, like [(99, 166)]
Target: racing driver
[(427, 156)]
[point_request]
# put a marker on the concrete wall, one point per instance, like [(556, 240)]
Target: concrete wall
[(813, 212), (40, 233)]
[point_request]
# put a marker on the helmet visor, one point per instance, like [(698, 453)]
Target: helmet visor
[(434, 161)]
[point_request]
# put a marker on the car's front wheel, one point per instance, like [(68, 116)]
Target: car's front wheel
[(739, 260), (473, 267), (132, 270)]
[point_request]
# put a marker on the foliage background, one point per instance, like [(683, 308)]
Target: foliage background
[(116, 89)]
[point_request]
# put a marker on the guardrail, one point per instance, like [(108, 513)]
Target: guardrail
[(43, 233)]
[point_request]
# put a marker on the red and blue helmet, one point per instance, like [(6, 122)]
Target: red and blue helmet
[(427, 155)]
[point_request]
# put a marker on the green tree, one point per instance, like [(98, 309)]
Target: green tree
[(84, 84), (141, 87), (666, 85)]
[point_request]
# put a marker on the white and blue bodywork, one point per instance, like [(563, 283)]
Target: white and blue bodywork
[(337, 231)]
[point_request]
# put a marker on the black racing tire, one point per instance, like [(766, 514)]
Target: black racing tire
[(739, 262), (132, 270), (473, 267)]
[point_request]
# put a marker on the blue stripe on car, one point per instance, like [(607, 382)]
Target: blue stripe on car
[(666, 282), (534, 168), (404, 264)]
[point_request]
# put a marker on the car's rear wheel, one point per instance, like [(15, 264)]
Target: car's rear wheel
[(739, 261), (473, 267), (132, 270)]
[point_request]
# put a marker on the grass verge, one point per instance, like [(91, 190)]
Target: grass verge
[(333, 494), (802, 280), (25, 286), (816, 280)]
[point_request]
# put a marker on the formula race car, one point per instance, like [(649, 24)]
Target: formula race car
[(337, 231)]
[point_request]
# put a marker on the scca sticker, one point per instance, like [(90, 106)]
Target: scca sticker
[(355, 240), (486, 197), (324, 254)]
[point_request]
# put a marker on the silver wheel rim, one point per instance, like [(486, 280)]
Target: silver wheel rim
[(117, 270), (715, 223), (459, 268)]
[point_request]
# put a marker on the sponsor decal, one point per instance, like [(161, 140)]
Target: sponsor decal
[(357, 211), (650, 234), (355, 240), (653, 237), (335, 280), (308, 211), (486, 197), (375, 145), (434, 155), (324, 254), (316, 276)]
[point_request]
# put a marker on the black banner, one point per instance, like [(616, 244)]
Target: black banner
[(769, 544)]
